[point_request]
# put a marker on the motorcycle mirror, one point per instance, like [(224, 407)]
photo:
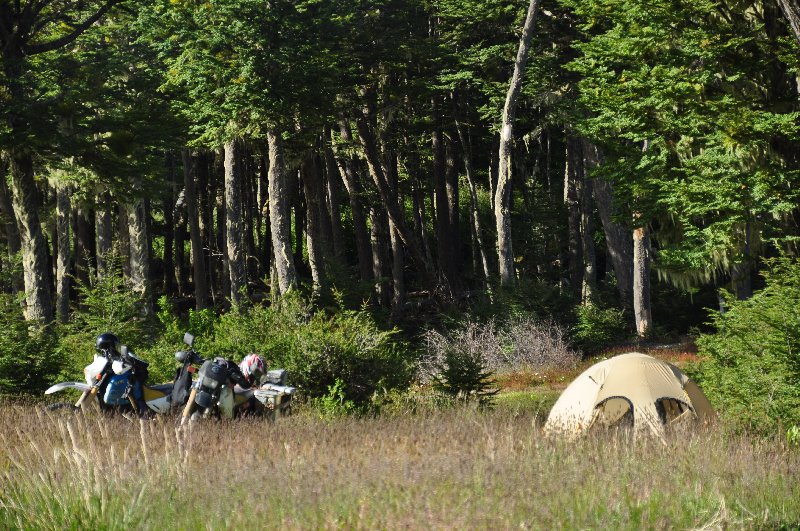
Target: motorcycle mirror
[(124, 350), (188, 338)]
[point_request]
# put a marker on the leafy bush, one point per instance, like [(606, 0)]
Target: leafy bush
[(107, 306), (316, 348), (28, 362), (334, 404), (753, 369), (597, 326)]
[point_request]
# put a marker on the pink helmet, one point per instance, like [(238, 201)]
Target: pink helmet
[(253, 368)]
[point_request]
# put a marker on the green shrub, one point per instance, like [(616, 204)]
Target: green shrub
[(333, 404), (316, 347), (753, 369), (28, 361), (463, 375), (597, 326), (107, 305)]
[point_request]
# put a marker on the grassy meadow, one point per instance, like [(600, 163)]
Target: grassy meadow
[(455, 468)]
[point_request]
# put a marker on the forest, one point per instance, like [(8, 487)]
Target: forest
[(621, 168)]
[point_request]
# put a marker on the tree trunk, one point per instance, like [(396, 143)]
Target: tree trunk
[(502, 198), (589, 292), (618, 241), (169, 280), (398, 258), (280, 217), (477, 233), (124, 240), (791, 10), (354, 191), (190, 171), (63, 255), (572, 202), (265, 248), (104, 234), (333, 183), (10, 229), (376, 172), (442, 228), (314, 195), (36, 276), (84, 244), (641, 280), (139, 252), (379, 229), (236, 255)]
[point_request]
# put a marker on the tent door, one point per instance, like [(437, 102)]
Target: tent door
[(613, 412)]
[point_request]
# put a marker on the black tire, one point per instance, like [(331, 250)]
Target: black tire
[(68, 407)]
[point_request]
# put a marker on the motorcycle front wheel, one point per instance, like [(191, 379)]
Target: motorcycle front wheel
[(68, 407)]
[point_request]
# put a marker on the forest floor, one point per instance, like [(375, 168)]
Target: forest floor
[(453, 468)]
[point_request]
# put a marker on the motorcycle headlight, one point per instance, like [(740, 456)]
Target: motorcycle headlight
[(120, 368), (209, 383)]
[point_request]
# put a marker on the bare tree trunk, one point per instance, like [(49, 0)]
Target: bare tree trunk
[(313, 191), (573, 205), (354, 191), (190, 172), (414, 167), (139, 252), (502, 198), (589, 292), (262, 226), (236, 255), (333, 183), (36, 274), (618, 241), (123, 243), (280, 217), (63, 256), (169, 280), (84, 242), (444, 239), (641, 280), (398, 258), (791, 10), (376, 172), (104, 233), (11, 230), (379, 229), (466, 150), (206, 190)]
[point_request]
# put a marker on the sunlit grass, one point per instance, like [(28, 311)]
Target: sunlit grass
[(457, 468)]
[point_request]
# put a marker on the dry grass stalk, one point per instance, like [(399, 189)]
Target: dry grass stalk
[(455, 469)]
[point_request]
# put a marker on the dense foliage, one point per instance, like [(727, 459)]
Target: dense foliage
[(325, 183), (753, 369)]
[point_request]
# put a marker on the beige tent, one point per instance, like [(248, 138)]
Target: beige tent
[(629, 390)]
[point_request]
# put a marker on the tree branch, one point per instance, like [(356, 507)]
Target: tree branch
[(33, 49)]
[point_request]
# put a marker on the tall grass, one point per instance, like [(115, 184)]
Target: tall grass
[(453, 469)]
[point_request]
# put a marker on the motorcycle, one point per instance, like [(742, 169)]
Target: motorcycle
[(219, 391), (111, 379)]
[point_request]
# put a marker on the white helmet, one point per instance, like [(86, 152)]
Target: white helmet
[(253, 368)]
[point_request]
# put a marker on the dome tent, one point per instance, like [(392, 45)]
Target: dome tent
[(629, 389)]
